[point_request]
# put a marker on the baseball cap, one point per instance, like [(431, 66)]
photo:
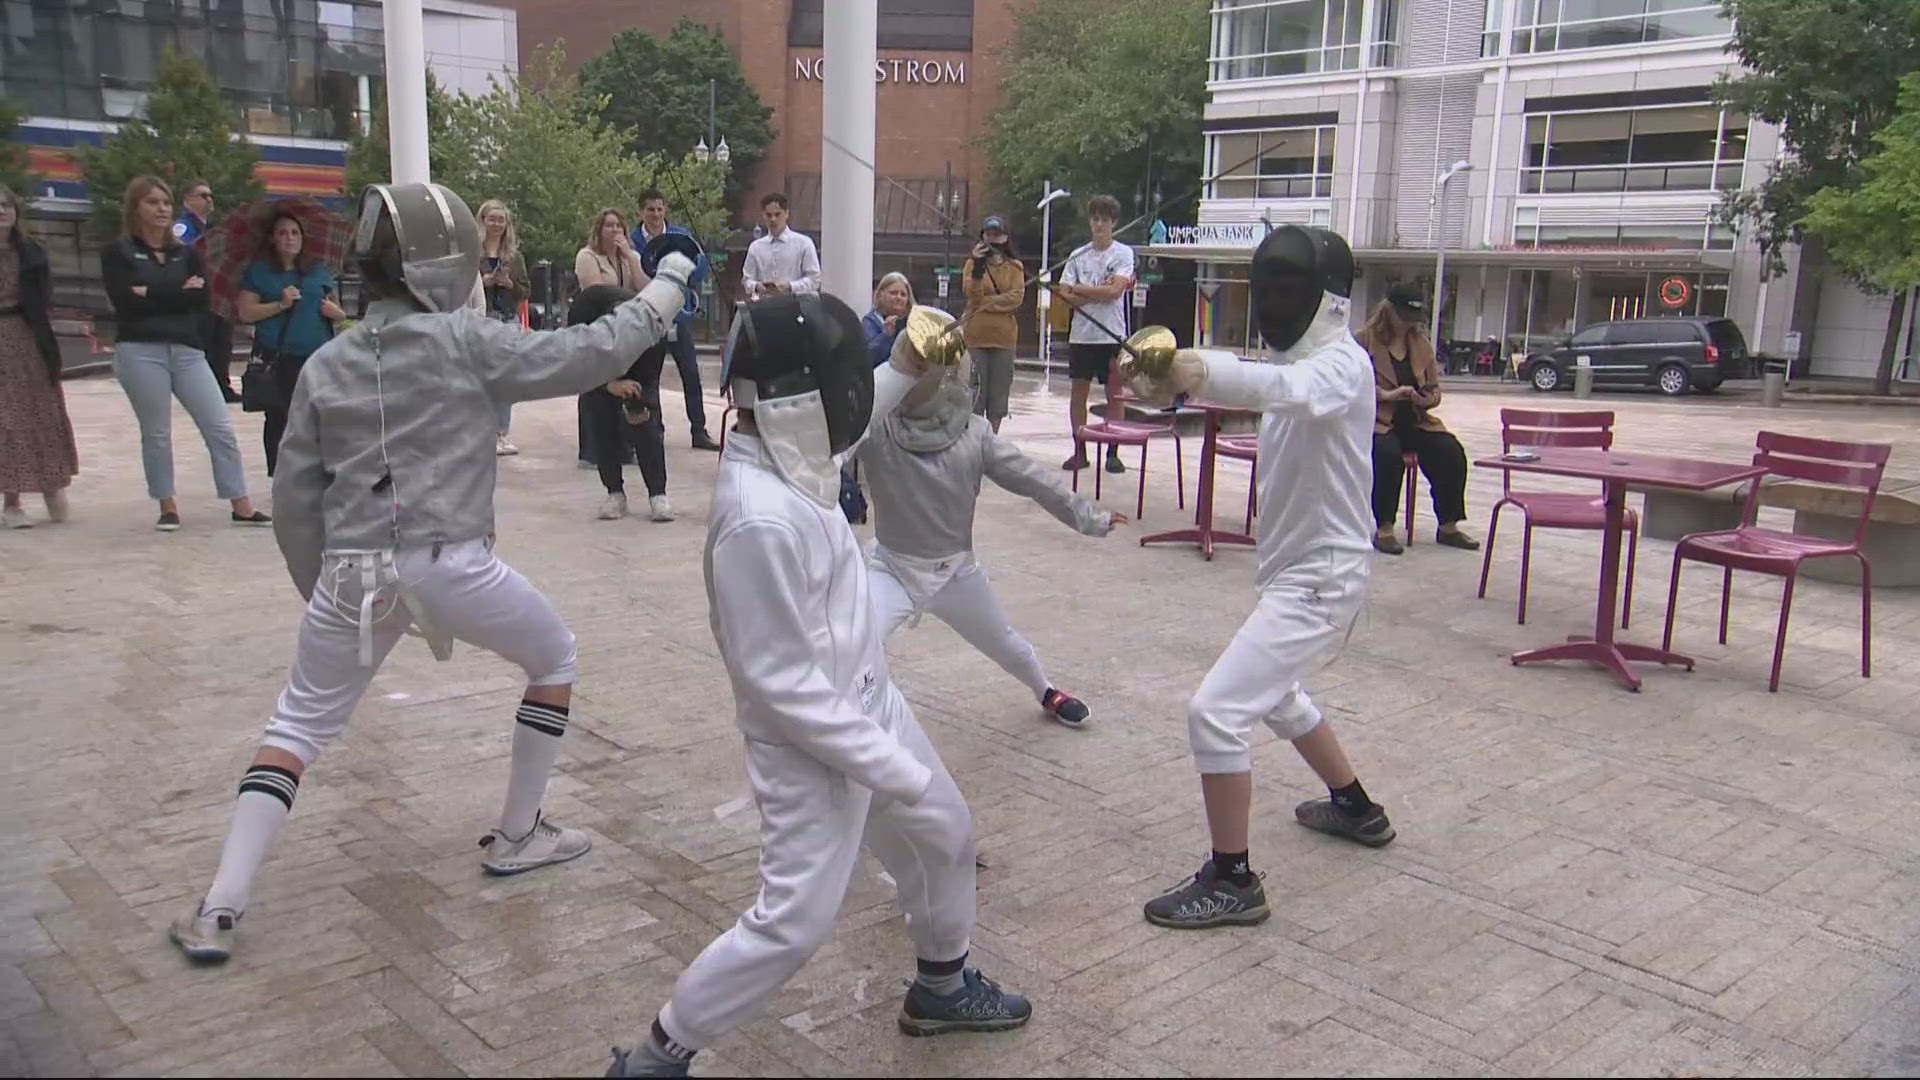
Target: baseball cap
[(995, 221), (1409, 301)]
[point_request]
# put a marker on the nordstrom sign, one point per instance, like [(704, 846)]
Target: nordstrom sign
[(892, 69)]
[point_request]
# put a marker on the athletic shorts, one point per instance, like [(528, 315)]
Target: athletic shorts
[(1092, 361)]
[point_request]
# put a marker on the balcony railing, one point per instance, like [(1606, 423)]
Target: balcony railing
[(1601, 179)]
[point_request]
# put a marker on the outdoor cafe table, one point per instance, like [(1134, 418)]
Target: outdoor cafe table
[(1203, 532), (1616, 469)]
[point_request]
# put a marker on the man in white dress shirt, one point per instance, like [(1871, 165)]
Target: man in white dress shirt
[(783, 261)]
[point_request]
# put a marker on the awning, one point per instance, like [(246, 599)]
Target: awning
[(1517, 258)]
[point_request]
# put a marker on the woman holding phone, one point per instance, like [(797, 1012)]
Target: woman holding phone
[(288, 297)]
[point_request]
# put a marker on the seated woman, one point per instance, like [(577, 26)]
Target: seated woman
[(1407, 388)]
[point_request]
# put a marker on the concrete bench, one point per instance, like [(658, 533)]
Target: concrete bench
[(1669, 514)]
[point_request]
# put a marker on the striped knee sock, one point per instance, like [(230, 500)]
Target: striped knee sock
[(266, 798), (536, 744)]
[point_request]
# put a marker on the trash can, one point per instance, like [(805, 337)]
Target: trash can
[(1773, 383)]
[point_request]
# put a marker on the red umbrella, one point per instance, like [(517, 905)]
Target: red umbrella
[(247, 232)]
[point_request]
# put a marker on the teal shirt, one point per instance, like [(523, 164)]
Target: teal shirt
[(305, 327)]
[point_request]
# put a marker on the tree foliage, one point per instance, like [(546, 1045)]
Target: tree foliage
[(656, 89), (188, 133), (1872, 231), (1827, 72), (14, 172), (1100, 95)]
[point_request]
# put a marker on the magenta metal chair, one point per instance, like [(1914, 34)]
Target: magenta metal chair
[(1130, 433), (1243, 448), (1853, 466), (1410, 464), (1553, 510)]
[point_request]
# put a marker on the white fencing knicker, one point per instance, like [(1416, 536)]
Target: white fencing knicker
[(813, 822), (1305, 613), (364, 601), (960, 596)]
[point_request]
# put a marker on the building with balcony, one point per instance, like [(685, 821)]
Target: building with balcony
[(1596, 158)]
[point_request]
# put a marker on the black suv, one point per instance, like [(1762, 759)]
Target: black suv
[(1675, 354)]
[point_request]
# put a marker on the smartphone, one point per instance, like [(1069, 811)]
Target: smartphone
[(1520, 456)]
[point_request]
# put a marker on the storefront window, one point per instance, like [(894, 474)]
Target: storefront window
[(1556, 25), (1544, 306), (1255, 39), (288, 67), (1224, 314), (1688, 148), (1288, 163)]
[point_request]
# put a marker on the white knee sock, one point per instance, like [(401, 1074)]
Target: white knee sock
[(266, 798), (536, 745)]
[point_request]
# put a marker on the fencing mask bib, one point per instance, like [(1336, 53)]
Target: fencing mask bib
[(800, 363), (1295, 270)]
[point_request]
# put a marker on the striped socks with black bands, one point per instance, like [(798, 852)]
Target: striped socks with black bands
[(546, 719), (271, 780)]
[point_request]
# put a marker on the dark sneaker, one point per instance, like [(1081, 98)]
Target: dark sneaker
[(256, 518), (637, 1062), (1209, 900), (1075, 463), (169, 522), (1388, 545), (1114, 464), (980, 1005), (1371, 828), (1455, 539), (1066, 708)]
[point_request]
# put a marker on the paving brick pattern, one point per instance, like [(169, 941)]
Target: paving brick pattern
[(1701, 879)]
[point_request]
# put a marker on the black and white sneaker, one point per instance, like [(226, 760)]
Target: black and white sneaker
[(1371, 828), (1066, 708), (1209, 900), (204, 937)]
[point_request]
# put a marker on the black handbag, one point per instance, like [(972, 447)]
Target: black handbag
[(260, 389)]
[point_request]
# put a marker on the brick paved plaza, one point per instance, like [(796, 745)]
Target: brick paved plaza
[(1700, 879)]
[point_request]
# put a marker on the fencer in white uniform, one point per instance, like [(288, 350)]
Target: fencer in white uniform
[(383, 507), (1314, 475), (923, 469), (834, 755)]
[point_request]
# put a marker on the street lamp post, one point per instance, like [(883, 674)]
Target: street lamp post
[(1048, 195), (1440, 244), (718, 154)]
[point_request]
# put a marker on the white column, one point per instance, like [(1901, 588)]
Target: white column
[(406, 91), (846, 170)]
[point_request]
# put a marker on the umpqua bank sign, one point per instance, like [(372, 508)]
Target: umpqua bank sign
[(897, 69)]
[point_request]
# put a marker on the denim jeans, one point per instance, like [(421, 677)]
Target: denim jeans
[(154, 372), (503, 412)]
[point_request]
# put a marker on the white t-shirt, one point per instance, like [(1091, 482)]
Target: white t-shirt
[(1091, 266)]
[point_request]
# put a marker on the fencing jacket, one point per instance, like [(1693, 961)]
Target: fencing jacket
[(1315, 472), (397, 450), (924, 502), (793, 615)]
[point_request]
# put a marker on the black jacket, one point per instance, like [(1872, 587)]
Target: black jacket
[(168, 313), (36, 298)]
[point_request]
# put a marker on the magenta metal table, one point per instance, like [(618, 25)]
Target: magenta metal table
[(1203, 532), (1616, 469)]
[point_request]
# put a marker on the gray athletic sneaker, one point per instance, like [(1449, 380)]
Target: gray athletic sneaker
[(204, 937), (545, 844), (1372, 828), (637, 1062), (1209, 900), (979, 1005)]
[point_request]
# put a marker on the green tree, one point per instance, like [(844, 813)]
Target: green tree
[(1872, 230), (188, 133), (656, 89), (14, 172), (1827, 73), (536, 142), (368, 158), (1102, 96)]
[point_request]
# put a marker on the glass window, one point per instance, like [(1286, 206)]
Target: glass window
[(1683, 148), (1553, 25), (1591, 336), (941, 25), (1255, 39), (1283, 163)]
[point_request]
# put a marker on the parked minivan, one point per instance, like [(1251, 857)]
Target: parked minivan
[(1675, 354)]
